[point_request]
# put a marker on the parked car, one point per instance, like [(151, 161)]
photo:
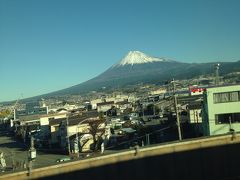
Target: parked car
[(63, 159)]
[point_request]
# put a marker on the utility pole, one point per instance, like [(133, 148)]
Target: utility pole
[(147, 139), (143, 110), (176, 110), (32, 155), (77, 142), (68, 142), (154, 110), (13, 166), (217, 74)]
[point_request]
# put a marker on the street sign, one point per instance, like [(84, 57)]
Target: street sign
[(33, 153)]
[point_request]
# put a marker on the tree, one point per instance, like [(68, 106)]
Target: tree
[(112, 111), (96, 131), (5, 113)]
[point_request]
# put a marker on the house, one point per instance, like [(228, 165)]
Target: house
[(37, 125), (54, 138), (54, 121), (117, 98), (26, 126), (221, 110), (71, 127), (77, 129), (33, 111), (94, 102), (32, 108), (104, 106), (194, 110), (123, 105), (69, 106), (61, 110), (157, 91), (133, 98)]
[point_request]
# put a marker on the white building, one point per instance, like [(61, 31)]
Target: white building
[(95, 102), (221, 110)]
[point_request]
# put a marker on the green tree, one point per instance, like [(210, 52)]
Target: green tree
[(4, 113)]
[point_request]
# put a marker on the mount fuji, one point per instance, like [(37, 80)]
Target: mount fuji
[(137, 67), (137, 57)]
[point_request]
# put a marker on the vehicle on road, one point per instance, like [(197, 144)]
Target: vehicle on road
[(63, 159)]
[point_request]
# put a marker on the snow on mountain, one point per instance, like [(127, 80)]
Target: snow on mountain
[(137, 57)]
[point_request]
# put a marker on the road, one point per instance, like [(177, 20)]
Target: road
[(17, 153)]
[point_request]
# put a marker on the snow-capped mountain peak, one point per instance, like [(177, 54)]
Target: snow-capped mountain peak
[(137, 57)]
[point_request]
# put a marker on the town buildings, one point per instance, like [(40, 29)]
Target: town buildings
[(217, 111)]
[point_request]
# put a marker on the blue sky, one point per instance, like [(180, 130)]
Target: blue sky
[(48, 45)]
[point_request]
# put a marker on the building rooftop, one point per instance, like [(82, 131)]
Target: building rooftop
[(105, 103), (56, 121), (122, 102), (223, 85), (76, 119), (195, 105)]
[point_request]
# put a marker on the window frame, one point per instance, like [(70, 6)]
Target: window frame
[(232, 116), (217, 101)]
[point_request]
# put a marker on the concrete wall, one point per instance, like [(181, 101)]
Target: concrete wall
[(209, 158)]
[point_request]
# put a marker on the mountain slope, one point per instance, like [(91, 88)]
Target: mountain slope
[(137, 67)]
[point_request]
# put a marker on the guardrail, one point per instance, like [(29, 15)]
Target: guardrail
[(137, 153)]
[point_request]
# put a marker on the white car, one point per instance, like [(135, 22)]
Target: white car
[(63, 159)]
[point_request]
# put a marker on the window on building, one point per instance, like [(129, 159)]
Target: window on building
[(56, 128), (42, 110), (226, 97), (227, 118), (21, 113), (234, 96)]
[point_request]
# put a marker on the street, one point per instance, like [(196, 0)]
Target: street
[(16, 154)]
